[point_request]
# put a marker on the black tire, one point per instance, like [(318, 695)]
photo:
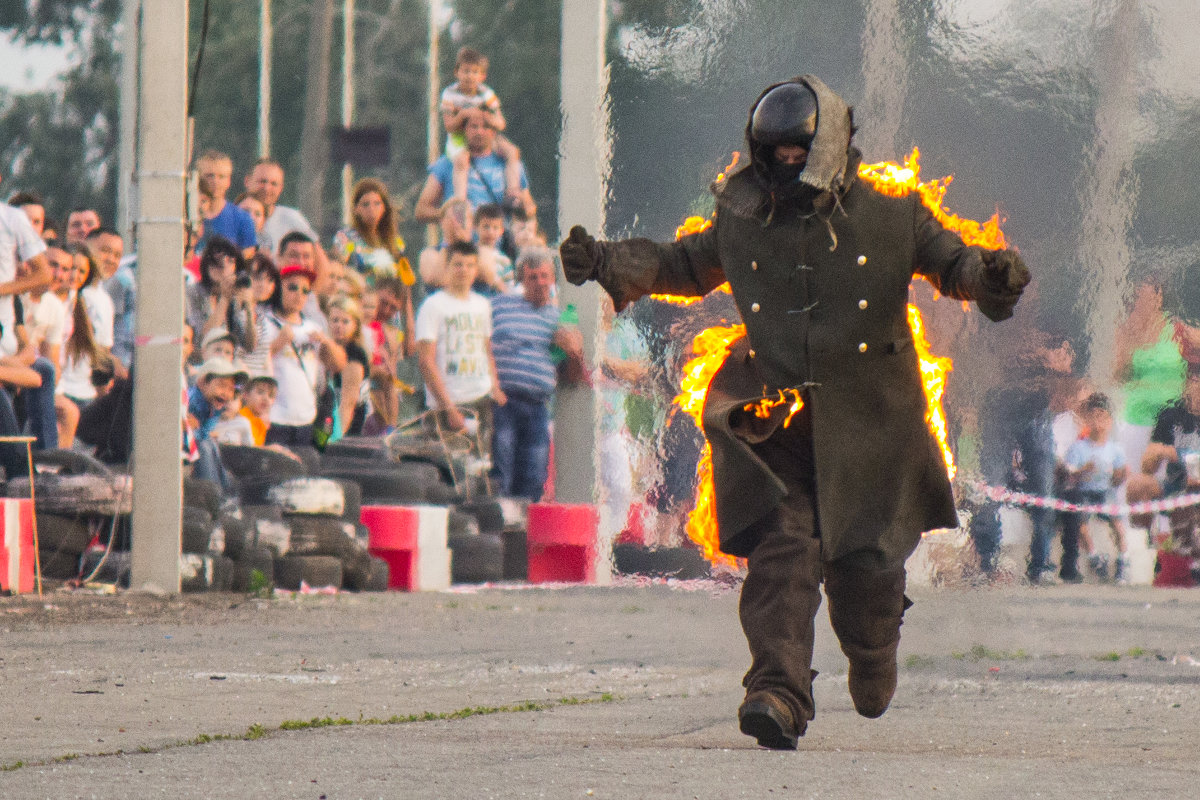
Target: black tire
[(197, 530), (76, 494), (356, 570), (321, 536), (59, 566), (476, 559), (516, 555), (309, 457), (378, 577), (443, 494), (397, 484), (487, 512), (309, 496), (262, 511), (69, 462), (273, 534), (195, 572), (460, 523), (254, 490), (316, 571), (352, 511), (669, 562), (202, 494), (252, 558), (114, 570), (238, 533), (259, 462), (222, 574), (62, 534), (365, 448)]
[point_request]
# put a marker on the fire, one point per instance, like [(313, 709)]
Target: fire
[(899, 181), (933, 380), (711, 346)]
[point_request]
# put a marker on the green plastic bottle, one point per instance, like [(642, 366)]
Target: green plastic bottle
[(569, 316)]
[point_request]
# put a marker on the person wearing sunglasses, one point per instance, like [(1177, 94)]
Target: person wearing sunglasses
[(299, 353)]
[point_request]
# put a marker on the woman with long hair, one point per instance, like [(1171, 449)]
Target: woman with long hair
[(223, 298), (264, 283), (372, 243), (298, 349), (98, 303), (81, 351), (349, 385)]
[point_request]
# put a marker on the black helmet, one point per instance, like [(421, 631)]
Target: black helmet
[(786, 114)]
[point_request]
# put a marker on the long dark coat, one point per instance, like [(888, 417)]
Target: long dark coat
[(833, 322)]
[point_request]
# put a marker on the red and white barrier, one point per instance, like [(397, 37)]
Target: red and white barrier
[(17, 549), (412, 540), (561, 541)]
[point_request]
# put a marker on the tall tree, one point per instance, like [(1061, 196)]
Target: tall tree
[(62, 142)]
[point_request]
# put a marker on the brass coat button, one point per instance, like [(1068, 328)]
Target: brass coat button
[(862, 347), (753, 265), (862, 260), (754, 307), (752, 354), (862, 304)]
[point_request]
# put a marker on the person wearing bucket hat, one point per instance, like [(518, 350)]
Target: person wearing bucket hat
[(839, 493)]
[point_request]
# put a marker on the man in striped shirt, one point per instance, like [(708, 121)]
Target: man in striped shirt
[(524, 329)]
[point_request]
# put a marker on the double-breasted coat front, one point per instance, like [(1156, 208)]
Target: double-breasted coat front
[(824, 300)]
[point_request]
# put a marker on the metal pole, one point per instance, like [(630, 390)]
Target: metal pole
[(347, 100), (582, 181), (161, 136), (127, 156), (433, 120), (264, 80)]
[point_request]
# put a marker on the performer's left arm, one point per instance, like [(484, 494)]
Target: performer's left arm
[(994, 279), (632, 268)]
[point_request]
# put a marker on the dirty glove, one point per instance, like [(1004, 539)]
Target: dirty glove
[(1004, 278), (581, 256), (1004, 273)]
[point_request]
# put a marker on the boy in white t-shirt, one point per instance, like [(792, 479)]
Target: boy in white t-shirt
[(454, 347)]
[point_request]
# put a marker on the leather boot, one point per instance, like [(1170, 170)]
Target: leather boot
[(769, 720), (866, 609)]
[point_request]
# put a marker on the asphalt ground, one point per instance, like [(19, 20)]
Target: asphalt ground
[(615, 692)]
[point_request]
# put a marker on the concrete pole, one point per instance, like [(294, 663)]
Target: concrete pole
[(347, 100), (161, 137), (583, 170), (433, 100), (131, 21), (265, 36)]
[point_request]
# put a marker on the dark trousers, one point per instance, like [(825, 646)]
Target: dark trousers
[(521, 446), (13, 455), (781, 594)]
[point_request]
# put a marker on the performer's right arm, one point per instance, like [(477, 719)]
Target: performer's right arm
[(632, 268)]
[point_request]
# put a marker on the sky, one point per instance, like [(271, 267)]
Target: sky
[(24, 69)]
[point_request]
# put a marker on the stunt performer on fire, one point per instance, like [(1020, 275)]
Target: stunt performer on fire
[(820, 264)]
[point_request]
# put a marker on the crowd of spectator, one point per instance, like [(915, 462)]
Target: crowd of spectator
[(1050, 433), (290, 343)]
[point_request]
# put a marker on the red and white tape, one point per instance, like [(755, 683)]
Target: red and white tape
[(1009, 497)]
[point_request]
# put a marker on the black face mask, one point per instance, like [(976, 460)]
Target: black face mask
[(785, 174)]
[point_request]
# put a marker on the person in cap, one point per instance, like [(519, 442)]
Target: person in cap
[(217, 343), (819, 264)]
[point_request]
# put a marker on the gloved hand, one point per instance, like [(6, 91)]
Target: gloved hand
[(581, 256), (1004, 273)]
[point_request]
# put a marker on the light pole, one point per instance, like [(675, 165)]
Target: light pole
[(161, 145)]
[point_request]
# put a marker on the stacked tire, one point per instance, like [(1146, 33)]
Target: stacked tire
[(77, 499), (327, 544), (204, 565), (475, 535)]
